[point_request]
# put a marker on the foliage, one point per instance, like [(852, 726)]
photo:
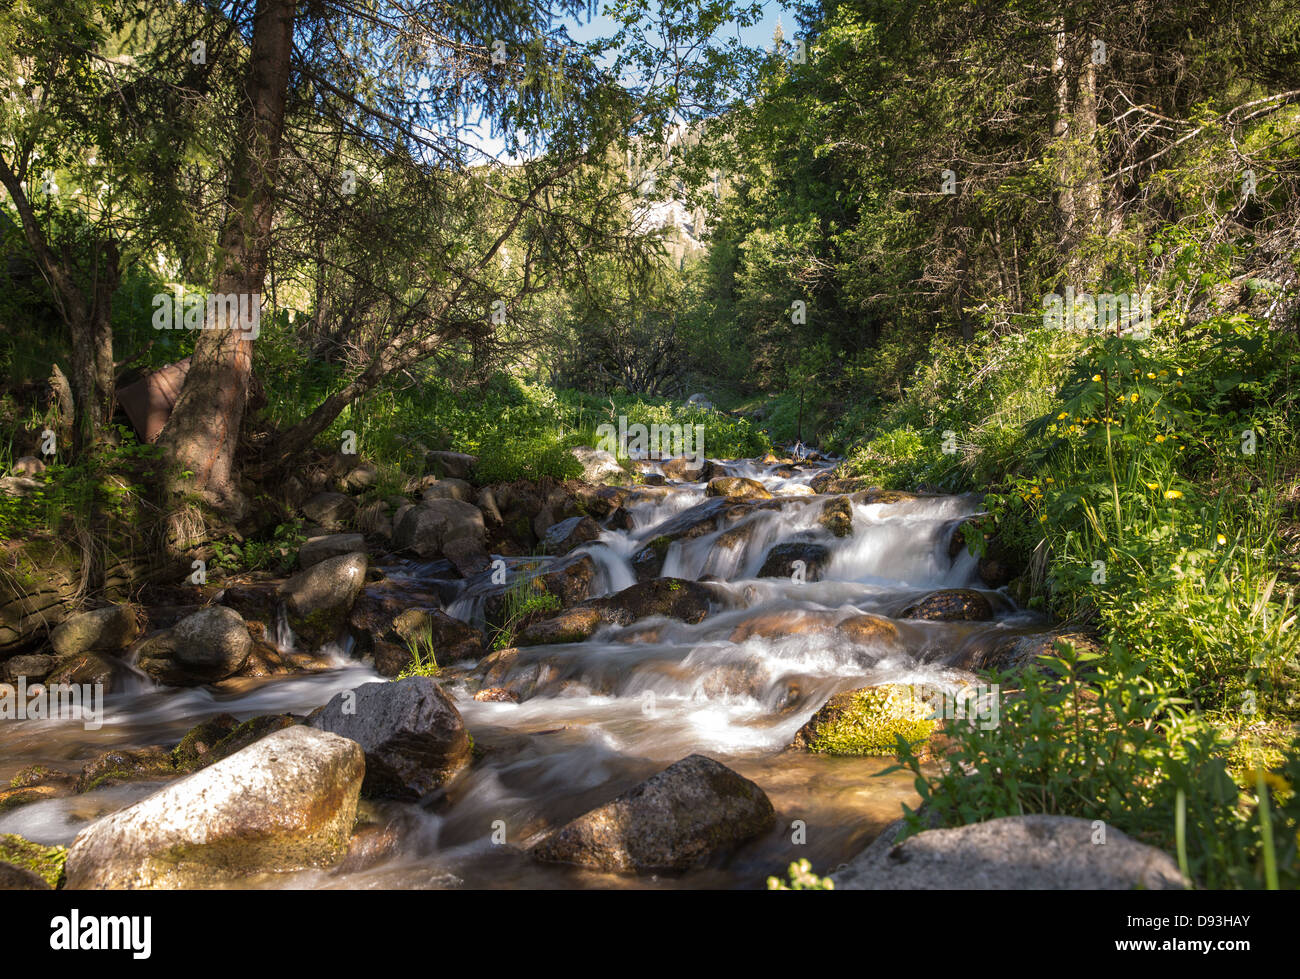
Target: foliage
[(1096, 737)]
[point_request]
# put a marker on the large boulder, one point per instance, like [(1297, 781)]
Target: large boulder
[(1036, 852), (102, 630), (322, 548), (445, 528), (412, 734), (669, 823), (319, 599), (287, 802), (333, 511), (209, 645)]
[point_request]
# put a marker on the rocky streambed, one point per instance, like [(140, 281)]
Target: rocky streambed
[(689, 682)]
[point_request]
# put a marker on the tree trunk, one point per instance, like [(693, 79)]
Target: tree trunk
[(202, 434)]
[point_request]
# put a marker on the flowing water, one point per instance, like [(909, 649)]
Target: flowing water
[(602, 715)]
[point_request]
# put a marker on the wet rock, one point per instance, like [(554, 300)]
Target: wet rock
[(701, 519), (598, 466), (195, 748), (332, 511), (319, 599), (867, 721), (287, 802), (109, 629), (208, 646), (1034, 852), (671, 822), (40, 775), (453, 465), (570, 625), (780, 624), (15, 796), (371, 845), (569, 580), (570, 533), (648, 562), (674, 598), (319, 549), (258, 602), (413, 736), (951, 605), (780, 560), (837, 516), (737, 488), (152, 764), (451, 640), (45, 862), (828, 482), (448, 489), (868, 630), (683, 470), (35, 667), (878, 495), (452, 529), (496, 695)]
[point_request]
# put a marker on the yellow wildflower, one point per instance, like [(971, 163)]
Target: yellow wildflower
[(1173, 495)]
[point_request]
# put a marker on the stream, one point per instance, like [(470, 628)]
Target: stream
[(604, 714)]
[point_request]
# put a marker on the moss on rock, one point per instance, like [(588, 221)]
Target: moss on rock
[(44, 861), (867, 721)]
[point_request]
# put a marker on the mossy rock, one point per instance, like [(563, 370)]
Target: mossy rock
[(195, 749), (837, 516), (153, 763), (44, 861), (867, 721)]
